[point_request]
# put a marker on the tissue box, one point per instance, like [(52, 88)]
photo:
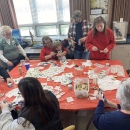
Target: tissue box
[(81, 87)]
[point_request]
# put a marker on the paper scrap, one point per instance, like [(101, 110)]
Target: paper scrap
[(69, 99)]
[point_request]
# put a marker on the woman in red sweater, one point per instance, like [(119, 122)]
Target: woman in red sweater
[(47, 52), (100, 40)]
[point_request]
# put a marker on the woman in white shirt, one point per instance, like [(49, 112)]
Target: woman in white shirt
[(10, 49)]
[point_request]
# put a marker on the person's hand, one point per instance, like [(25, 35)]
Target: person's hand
[(26, 58), (59, 54), (105, 50), (4, 105), (1, 77), (82, 39), (9, 80), (99, 96), (9, 63), (73, 43), (52, 54), (95, 48), (86, 50)]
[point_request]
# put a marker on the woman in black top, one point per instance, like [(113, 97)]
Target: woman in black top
[(40, 109)]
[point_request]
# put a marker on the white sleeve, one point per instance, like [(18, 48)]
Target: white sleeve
[(2, 57), (21, 50), (7, 122)]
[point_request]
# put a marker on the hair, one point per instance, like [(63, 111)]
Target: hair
[(97, 21), (46, 38), (123, 94), (56, 44), (5, 29), (35, 101)]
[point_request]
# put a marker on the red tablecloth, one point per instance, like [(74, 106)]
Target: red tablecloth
[(78, 104)]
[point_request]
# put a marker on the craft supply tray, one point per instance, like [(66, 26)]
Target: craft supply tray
[(98, 70)]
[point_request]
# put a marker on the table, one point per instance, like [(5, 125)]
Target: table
[(78, 104), (30, 50), (32, 53)]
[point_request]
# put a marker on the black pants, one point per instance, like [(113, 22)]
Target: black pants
[(15, 62)]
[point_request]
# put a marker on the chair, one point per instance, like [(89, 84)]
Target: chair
[(71, 127)]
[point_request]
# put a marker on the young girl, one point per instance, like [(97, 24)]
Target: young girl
[(59, 50), (100, 40), (40, 109)]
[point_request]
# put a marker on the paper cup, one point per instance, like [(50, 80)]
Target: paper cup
[(27, 66), (9, 84)]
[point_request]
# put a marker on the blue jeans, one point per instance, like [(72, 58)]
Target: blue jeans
[(81, 55)]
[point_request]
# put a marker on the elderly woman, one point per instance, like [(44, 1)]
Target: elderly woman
[(10, 48), (47, 52), (115, 120)]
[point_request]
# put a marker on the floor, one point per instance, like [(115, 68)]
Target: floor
[(79, 119)]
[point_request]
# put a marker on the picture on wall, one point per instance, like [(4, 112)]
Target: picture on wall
[(120, 30), (99, 7)]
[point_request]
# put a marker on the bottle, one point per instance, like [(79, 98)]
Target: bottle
[(20, 70)]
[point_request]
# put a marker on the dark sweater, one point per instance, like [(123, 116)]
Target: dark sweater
[(78, 36), (115, 120), (55, 123), (4, 73)]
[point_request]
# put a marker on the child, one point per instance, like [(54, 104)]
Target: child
[(59, 50), (66, 43)]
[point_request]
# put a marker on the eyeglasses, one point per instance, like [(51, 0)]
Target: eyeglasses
[(7, 34)]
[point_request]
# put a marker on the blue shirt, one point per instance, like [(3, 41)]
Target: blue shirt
[(114, 120), (78, 36)]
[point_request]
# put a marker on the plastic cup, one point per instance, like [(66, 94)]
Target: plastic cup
[(22, 62), (10, 84), (76, 71), (27, 66), (81, 70)]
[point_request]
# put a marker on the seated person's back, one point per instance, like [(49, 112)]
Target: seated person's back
[(115, 120), (40, 110)]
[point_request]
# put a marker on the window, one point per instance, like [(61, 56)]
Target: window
[(23, 12), (44, 11), (25, 31), (44, 17), (46, 30), (64, 29)]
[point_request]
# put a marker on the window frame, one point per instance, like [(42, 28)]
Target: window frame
[(58, 24), (34, 25)]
